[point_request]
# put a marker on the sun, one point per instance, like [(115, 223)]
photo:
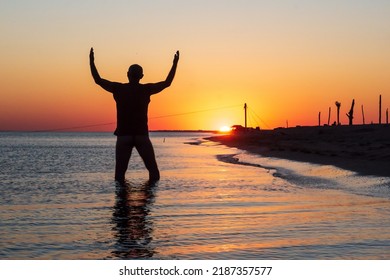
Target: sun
[(225, 129)]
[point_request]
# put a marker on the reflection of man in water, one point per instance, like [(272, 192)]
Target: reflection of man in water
[(132, 101), (133, 227)]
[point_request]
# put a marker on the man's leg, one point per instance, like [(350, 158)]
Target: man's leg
[(123, 149), (145, 150)]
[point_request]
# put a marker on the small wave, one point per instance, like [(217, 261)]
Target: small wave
[(308, 175), (197, 142), (231, 158)]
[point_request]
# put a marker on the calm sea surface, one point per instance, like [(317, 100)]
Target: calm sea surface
[(58, 200)]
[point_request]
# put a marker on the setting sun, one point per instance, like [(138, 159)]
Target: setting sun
[(225, 129)]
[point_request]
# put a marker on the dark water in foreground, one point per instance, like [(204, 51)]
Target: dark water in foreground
[(58, 200)]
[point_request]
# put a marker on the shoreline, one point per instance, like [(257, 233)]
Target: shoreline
[(364, 149)]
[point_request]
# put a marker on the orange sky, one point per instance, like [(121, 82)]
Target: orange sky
[(287, 60)]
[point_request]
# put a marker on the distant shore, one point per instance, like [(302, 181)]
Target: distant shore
[(364, 149)]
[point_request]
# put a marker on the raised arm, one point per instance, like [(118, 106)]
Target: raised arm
[(172, 72), (107, 85), (157, 87)]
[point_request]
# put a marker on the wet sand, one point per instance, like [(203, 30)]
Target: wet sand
[(364, 149)]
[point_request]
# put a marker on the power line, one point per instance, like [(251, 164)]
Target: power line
[(252, 119), (157, 117), (259, 118), (74, 127), (194, 112)]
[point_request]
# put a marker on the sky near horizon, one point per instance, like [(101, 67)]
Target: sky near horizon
[(288, 60)]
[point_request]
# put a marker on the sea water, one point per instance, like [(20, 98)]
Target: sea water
[(58, 200)]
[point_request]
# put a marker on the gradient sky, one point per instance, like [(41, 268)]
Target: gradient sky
[(287, 60)]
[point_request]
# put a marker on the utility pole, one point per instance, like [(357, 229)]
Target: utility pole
[(245, 107), (380, 109), (319, 119), (338, 104)]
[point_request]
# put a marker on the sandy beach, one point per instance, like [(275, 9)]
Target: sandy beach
[(361, 148)]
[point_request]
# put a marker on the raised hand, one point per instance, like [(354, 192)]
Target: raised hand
[(91, 55), (176, 58)]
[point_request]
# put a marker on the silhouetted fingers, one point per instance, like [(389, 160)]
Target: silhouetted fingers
[(177, 54), (91, 54)]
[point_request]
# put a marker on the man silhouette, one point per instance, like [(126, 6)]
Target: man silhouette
[(132, 101)]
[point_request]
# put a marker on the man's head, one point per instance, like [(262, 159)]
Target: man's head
[(135, 72)]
